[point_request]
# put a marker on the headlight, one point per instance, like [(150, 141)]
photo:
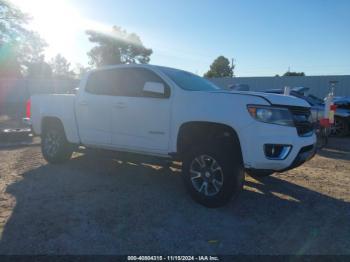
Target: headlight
[(271, 115)]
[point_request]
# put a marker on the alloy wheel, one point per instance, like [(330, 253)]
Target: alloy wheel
[(206, 175), (51, 143)]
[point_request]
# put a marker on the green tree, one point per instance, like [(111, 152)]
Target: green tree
[(221, 67), (117, 47), (61, 67), (294, 74), (19, 46)]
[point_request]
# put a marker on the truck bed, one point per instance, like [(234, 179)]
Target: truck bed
[(56, 106)]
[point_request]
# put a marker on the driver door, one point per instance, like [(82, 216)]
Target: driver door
[(140, 119)]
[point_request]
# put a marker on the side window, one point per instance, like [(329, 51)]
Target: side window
[(133, 80), (124, 82), (104, 82)]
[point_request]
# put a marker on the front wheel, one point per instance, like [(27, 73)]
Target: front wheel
[(54, 145), (213, 176)]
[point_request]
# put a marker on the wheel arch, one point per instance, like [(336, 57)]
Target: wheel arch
[(193, 132), (49, 121), (70, 129)]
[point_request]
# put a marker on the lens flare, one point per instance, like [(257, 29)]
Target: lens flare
[(59, 24)]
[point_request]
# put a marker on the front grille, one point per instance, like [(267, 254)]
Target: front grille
[(302, 120)]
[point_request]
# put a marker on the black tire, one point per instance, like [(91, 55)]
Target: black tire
[(341, 127), (259, 173), (231, 170), (54, 145)]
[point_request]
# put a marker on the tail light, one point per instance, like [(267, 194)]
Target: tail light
[(28, 106)]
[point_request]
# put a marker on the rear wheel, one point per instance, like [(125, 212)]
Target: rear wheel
[(54, 145), (213, 175)]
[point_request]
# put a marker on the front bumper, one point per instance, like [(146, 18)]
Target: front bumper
[(305, 154), (27, 121), (257, 135)]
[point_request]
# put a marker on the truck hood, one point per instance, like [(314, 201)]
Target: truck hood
[(274, 99)]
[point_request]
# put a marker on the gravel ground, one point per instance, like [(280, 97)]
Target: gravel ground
[(98, 204)]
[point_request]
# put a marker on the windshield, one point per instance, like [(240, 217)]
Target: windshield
[(189, 81), (314, 100)]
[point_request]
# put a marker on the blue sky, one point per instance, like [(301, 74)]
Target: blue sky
[(265, 37)]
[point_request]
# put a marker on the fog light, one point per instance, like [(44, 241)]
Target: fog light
[(277, 152)]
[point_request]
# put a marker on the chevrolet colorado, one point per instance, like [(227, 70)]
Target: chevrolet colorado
[(173, 114)]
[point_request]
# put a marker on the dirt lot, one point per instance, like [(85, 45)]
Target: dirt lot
[(96, 204)]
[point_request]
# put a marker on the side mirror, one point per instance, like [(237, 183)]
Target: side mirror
[(154, 87)]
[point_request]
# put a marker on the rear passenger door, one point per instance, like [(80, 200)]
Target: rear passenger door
[(94, 109), (140, 120)]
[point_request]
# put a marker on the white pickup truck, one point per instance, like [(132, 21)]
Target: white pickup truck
[(169, 113)]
